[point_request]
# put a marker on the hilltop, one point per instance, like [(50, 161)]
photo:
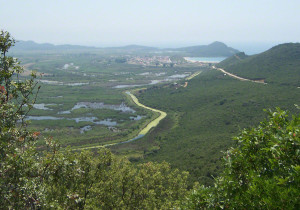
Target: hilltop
[(280, 65), (215, 49)]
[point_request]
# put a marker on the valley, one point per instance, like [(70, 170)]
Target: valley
[(102, 99), (149, 105), (83, 101)]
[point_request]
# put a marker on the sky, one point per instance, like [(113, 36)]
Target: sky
[(160, 23)]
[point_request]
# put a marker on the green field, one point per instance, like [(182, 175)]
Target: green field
[(82, 100)]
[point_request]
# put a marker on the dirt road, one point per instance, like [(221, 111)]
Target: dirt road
[(237, 77)]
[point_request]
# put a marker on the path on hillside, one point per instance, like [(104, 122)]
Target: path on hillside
[(193, 75), (143, 132), (237, 77)]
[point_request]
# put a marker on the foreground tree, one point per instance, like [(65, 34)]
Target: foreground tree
[(64, 179), (79, 180), (263, 171), (17, 159)]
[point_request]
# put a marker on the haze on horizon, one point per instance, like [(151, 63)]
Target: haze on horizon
[(161, 23)]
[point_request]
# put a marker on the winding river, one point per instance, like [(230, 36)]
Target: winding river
[(144, 131)]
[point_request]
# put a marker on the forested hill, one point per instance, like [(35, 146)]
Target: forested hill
[(202, 119), (280, 65), (211, 50)]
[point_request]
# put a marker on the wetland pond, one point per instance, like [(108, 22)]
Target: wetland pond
[(87, 105), (154, 82), (94, 120), (100, 105)]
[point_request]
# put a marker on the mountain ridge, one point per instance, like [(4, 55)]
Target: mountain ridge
[(214, 49)]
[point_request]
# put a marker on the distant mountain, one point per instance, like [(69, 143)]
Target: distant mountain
[(215, 49), (32, 46), (280, 64), (134, 47)]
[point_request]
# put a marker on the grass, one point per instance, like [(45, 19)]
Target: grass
[(101, 73), (202, 119)]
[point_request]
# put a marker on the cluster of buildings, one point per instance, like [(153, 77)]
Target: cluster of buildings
[(150, 60)]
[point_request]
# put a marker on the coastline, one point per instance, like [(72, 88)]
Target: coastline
[(190, 60)]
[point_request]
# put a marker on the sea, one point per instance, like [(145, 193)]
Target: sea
[(205, 59)]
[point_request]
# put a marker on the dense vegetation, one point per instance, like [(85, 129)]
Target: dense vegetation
[(203, 118), (262, 171), (279, 65), (62, 179)]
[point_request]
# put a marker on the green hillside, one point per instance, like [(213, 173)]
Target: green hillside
[(203, 118), (280, 65), (211, 50), (234, 59)]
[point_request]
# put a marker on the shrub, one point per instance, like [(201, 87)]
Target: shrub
[(261, 172)]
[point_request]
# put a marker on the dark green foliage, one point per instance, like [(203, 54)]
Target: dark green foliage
[(83, 180), (237, 58), (262, 172), (279, 65), (204, 116)]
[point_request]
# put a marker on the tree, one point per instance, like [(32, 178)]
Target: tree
[(16, 155), (63, 179), (261, 172)]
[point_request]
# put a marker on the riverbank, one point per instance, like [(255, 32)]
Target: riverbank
[(143, 132), (154, 122)]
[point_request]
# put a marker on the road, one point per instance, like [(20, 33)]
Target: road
[(237, 77)]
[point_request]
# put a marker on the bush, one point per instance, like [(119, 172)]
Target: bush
[(261, 172)]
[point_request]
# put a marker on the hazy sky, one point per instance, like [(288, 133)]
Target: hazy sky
[(151, 22)]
